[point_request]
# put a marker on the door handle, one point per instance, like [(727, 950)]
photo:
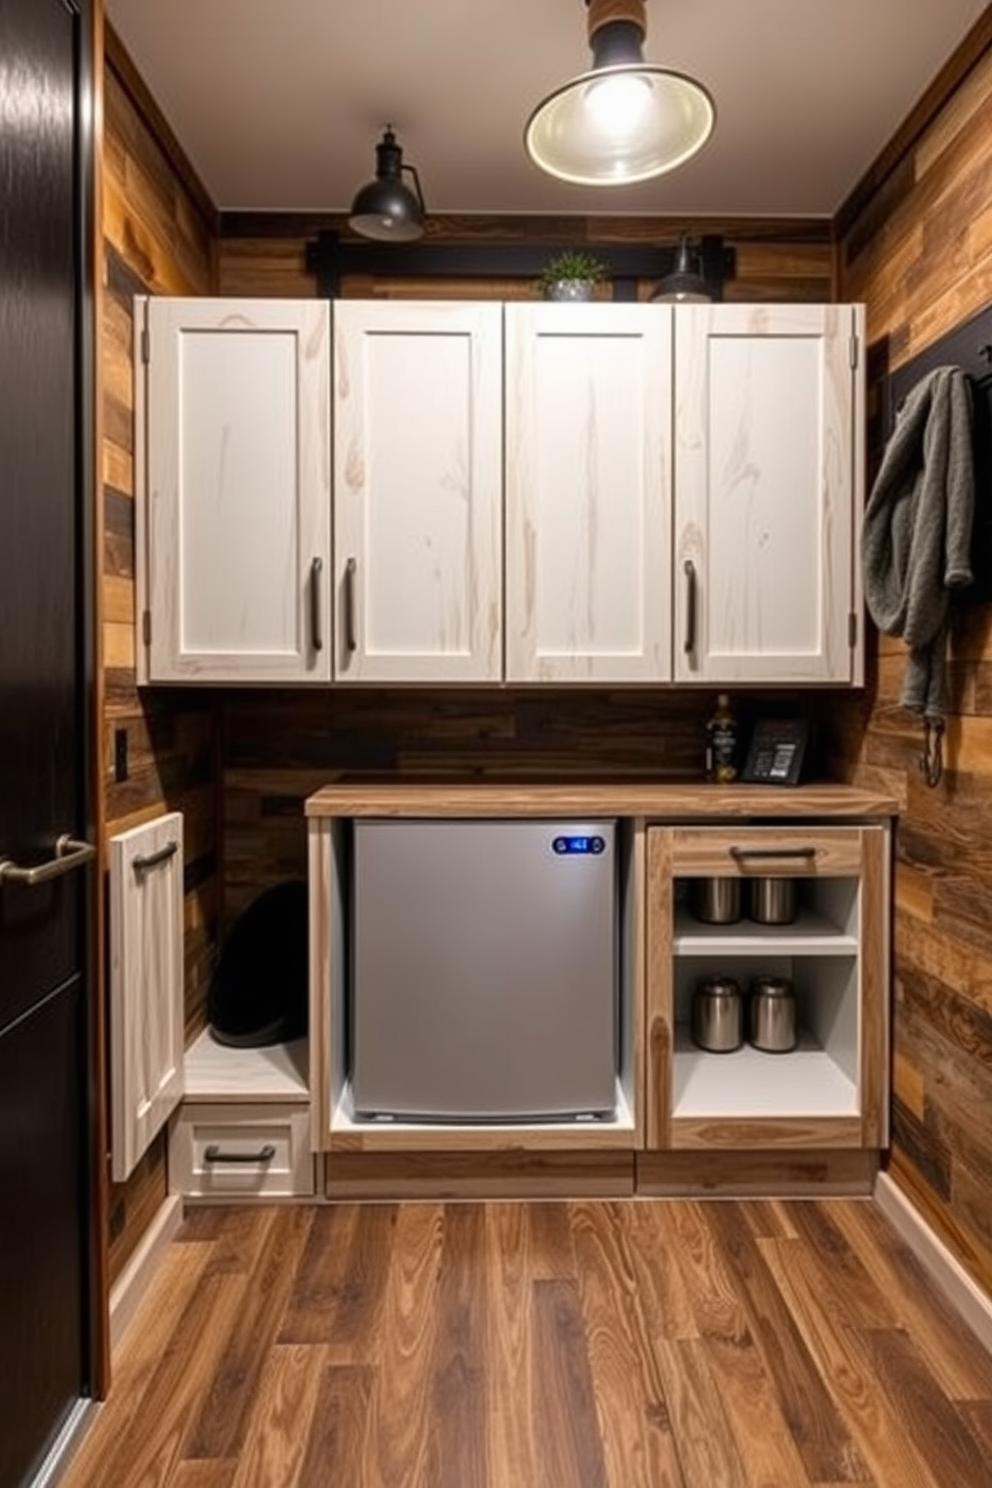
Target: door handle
[(69, 854), (689, 569), (152, 859), (350, 638), (316, 629)]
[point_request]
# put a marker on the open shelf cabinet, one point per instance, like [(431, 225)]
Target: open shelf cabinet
[(830, 1091)]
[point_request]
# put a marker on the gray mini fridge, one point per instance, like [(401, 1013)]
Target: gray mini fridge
[(484, 969)]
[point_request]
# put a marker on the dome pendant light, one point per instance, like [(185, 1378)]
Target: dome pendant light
[(386, 208), (625, 120)]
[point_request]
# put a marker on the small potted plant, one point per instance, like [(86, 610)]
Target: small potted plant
[(571, 275)]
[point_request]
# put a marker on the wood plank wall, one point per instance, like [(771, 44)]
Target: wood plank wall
[(916, 244), (784, 259), (158, 232)]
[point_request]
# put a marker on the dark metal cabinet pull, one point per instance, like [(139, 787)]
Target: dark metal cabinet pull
[(772, 852), (350, 638), (69, 854), (689, 569), (215, 1154), (316, 628), (152, 859)]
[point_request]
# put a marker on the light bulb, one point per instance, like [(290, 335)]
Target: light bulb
[(618, 103)]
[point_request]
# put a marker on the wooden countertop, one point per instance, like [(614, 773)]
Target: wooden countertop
[(681, 801)]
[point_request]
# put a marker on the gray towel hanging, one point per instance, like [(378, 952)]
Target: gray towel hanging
[(917, 539)]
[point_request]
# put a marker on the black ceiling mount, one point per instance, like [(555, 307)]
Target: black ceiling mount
[(330, 258)]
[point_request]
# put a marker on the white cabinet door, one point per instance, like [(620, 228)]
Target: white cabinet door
[(418, 471), (768, 479), (236, 505), (146, 984), (588, 493)]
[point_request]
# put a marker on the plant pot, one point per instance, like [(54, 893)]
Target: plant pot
[(570, 289)]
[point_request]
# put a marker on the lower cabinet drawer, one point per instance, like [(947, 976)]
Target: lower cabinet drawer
[(238, 1151)]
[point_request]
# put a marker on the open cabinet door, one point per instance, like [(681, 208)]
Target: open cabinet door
[(146, 985)]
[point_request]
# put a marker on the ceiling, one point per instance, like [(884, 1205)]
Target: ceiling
[(279, 103)]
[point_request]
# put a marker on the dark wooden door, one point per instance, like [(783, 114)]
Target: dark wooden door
[(45, 650)]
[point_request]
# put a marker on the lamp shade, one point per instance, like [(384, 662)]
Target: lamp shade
[(625, 120), (386, 208), (684, 284)]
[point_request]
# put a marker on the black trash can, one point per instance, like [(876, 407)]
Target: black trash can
[(258, 994)]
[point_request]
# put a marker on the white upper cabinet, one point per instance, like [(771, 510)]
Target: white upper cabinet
[(769, 415), (234, 540), (418, 489), (588, 493), (525, 493)]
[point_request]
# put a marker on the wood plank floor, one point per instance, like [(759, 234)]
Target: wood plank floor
[(638, 1344)]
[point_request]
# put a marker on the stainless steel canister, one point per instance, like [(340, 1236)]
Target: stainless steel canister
[(772, 1014), (718, 1015), (773, 900), (715, 901)]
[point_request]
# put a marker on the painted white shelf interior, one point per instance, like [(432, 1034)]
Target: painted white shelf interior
[(819, 953), (808, 933), (217, 1072), (751, 1083)]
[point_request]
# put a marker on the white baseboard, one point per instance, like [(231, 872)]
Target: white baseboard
[(134, 1280), (964, 1294)]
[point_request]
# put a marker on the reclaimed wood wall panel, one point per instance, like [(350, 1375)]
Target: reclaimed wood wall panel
[(783, 259), (158, 237), (280, 747), (916, 247)]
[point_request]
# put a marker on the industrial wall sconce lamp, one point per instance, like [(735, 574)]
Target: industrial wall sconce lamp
[(386, 209), (695, 270), (683, 283)]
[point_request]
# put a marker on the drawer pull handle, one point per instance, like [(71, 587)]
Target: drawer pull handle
[(316, 628), (350, 636), (215, 1154), (152, 859), (689, 569), (740, 853)]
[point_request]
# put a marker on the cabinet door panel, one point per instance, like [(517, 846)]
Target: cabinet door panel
[(418, 491), (767, 477), (146, 984), (238, 490), (588, 505)]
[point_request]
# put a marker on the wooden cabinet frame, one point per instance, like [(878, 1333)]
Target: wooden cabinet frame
[(334, 1129), (855, 854)]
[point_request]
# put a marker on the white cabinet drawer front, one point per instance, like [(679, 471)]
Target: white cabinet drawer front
[(221, 1152)]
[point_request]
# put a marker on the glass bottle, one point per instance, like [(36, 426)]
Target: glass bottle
[(722, 743)]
